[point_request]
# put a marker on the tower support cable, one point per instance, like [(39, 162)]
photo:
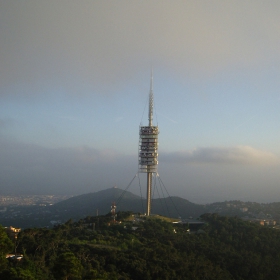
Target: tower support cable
[(169, 196), (164, 201), (156, 187), (124, 191)]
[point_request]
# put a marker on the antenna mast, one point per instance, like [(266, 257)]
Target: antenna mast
[(151, 101), (148, 148)]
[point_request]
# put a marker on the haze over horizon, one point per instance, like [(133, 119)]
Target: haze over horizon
[(74, 83)]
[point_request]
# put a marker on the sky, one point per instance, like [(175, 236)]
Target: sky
[(74, 85)]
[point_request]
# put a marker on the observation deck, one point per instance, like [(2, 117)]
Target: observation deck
[(148, 149)]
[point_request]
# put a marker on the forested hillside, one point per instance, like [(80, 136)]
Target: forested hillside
[(141, 248)]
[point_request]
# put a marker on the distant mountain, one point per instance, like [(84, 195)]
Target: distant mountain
[(91, 204), (100, 202), (177, 207)]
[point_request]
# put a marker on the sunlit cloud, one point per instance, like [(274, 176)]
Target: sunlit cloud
[(221, 155)]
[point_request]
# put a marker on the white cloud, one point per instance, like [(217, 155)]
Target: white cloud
[(221, 155)]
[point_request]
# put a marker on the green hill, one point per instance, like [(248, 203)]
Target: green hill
[(144, 248), (100, 202)]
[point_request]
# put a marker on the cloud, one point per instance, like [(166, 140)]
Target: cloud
[(28, 168), (86, 154), (225, 155), (97, 46), (32, 169)]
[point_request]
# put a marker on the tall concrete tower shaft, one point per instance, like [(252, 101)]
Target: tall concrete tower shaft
[(148, 148)]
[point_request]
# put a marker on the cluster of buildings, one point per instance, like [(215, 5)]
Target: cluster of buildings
[(42, 200)]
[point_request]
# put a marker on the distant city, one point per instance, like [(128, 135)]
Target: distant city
[(24, 200)]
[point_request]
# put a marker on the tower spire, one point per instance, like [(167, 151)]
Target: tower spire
[(151, 101)]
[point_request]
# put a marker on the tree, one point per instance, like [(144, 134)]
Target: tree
[(67, 267), (6, 246)]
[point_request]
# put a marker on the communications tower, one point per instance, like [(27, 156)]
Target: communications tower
[(148, 148)]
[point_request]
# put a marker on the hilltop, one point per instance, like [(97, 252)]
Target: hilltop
[(126, 201)]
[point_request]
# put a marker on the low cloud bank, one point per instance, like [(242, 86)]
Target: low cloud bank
[(32, 169), (28, 168), (221, 155)]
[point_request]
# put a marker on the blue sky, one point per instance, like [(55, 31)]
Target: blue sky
[(74, 83)]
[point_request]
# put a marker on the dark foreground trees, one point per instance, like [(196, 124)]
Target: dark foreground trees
[(225, 248), (6, 246)]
